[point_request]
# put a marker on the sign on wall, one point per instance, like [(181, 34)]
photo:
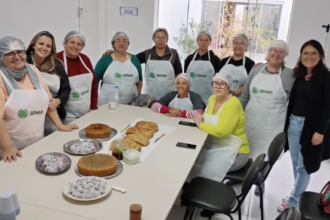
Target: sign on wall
[(129, 11)]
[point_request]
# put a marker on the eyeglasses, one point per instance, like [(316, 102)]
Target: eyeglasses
[(312, 54), (12, 54), (239, 44), (221, 85), (274, 51), (160, 38)]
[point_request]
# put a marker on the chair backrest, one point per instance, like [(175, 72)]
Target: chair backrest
[(275, 148), (252, 174), (290, 214)]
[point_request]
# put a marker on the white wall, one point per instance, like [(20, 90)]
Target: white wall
[(307, 19)]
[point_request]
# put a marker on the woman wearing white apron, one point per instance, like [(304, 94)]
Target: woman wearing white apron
[(83, 82), (182, 102), (24, 100), (238, 65), (42, 53), (202, 66), (119, 69), (225, 149), (265, 97), (162, 65)]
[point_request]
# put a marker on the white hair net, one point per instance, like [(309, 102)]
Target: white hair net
[(224, 77), (119, 33), (8, 44), (159, 29), (244, 37), (185, 76), (281, 44), (74, 33), (204, 32)]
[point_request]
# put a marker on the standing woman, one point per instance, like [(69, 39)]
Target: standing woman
[(83, 82), (119, 69), (308, 118), (202, 66), (42, 54), (238, 65)]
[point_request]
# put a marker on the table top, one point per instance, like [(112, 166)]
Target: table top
[(154, 184)]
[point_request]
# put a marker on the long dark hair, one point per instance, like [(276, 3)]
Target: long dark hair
[(300, 71), (49, 64)]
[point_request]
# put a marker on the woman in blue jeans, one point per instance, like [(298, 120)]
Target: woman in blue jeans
[(308, 118)]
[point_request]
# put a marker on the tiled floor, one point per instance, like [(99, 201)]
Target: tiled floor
[(278, 185)]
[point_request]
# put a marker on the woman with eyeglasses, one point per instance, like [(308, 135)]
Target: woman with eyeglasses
[(42, 54), (162, 65), (24, 101), (238, 65), (307, 119)]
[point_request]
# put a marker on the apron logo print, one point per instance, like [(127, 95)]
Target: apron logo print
[(75, 95), (235, 81), (255, 90), (118, 75), (192, 75), (152, 75), (127, 75), (23, 113)]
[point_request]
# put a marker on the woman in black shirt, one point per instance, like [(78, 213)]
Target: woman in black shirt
[(308, 118), (42, 53)]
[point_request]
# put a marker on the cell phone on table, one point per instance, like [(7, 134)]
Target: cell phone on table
[(187, 123), (186, 145)]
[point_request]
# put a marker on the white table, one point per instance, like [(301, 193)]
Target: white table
[(154, 184)]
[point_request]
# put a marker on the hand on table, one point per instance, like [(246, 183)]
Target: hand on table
[(66, 128), (107, 52), (175, 112), (10, 155), (53, 104), (317, 139), (198, 119)]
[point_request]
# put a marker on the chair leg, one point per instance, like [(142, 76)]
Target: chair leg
[(229, 215), (192, 213), (261, 201), (239, 213), (186, 214)]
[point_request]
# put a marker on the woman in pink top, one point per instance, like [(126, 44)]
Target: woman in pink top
[(24, 100)]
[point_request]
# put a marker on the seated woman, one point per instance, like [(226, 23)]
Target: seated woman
[(42, 54), (225, 149), (182, 102), (119, 69), (24, 101), (83, 82)]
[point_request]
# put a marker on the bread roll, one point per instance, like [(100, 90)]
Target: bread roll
[(132, 144), (138, 138), (145, 132), (148, 125)]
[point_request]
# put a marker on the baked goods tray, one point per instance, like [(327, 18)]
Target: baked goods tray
[(95, 143), (82, 134)]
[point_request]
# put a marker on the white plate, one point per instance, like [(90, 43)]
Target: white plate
[(66, 189)]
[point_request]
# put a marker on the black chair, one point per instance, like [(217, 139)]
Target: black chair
[(309, 208), (218, 197), (290, 214), (274, 151)]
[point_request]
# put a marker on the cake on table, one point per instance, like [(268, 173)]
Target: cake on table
[(97, 165), (98, 131)]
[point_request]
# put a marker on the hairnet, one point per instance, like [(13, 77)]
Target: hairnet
[(204, 32), (244, 37), (224, 77), (281, 44), (159, 29), (185, 76), (74, 33), (8, 44), (119, 33)]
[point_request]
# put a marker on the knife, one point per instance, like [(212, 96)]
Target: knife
[(159, 137), (125, 129)]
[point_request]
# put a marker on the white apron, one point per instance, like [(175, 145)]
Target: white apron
[(217, 154), (238, 74), (265, 113), (201, 73), (80, 98), (125, 76), (24, 116), (159, 78), (181, 103)]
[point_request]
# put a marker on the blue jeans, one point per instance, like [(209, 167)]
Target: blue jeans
[(301, 177)]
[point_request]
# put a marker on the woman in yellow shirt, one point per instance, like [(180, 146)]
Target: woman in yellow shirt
[(225, 149)]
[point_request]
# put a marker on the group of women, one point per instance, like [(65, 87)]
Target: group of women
[(241, 106)]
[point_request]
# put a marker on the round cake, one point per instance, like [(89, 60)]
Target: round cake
[(98, 131), (97, 165)]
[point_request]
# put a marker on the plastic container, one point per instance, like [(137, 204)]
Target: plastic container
[(7, 207), (132, 156), (135, 212)]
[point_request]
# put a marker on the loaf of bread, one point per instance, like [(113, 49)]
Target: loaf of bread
[(147, 125), (138, 138), (145, 132), (131, 144)]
